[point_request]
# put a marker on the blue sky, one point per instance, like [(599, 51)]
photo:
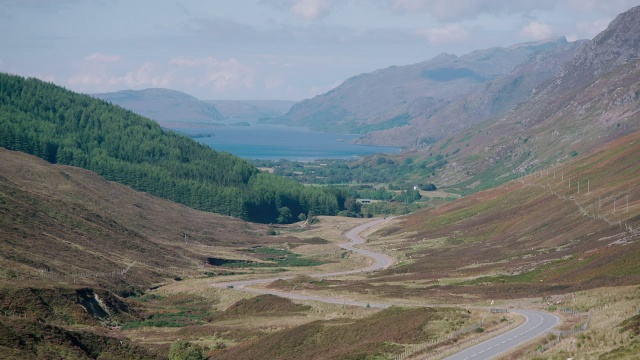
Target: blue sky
[(266, 49)]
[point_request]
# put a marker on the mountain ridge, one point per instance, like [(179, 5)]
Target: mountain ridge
[(491, 100), (163, 105), (406, 91)]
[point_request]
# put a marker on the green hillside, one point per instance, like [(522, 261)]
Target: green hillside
[(64, 127)]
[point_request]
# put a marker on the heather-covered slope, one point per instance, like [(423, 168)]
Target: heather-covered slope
[(72, 245), (65, 225), (561, 229)]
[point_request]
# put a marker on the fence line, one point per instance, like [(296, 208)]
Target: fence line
[(566, 333), (630, 232), (413, 349)]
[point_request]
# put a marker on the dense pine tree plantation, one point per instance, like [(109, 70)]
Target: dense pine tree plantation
[(64, 127)]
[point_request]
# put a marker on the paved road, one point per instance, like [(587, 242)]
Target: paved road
[(380, 261), (536, 323)]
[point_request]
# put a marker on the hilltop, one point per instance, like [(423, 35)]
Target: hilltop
[(167, 107), (64, 127)]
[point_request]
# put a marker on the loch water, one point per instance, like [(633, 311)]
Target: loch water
[(274, 142)]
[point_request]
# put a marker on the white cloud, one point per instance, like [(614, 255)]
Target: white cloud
[(222, 74), (449, 33), (194, 62), (194, 74), (99, 57), (104, 78), (308, 9), (536, 31), (458, 10), (147, 75), (311, 9)]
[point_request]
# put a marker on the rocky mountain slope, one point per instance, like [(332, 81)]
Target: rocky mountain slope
[(168, 107), (593, 98), (491, 100), (392, 97)]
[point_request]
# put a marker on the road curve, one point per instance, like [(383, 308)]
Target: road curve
[(380, 261), (536, 323)]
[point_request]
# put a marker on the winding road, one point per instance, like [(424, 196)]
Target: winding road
[(380, 261), (536, 323)]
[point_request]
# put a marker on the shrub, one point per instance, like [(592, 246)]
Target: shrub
[(184, 350)]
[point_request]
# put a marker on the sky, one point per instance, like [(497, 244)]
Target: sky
[(266, 49)]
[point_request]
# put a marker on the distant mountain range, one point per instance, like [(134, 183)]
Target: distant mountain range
[(399, 96), (488, 100), (252, 109), (164, 106), (175, 108)]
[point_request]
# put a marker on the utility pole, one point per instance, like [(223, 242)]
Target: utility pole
[(627, 202), (578, 186), (588, 189), (614, 205)]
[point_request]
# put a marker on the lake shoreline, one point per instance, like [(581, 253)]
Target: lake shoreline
[(276, 142)]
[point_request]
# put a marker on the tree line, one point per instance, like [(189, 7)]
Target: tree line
[(64, 127)]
